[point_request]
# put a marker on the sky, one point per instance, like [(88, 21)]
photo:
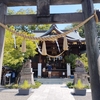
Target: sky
[(59, 9)]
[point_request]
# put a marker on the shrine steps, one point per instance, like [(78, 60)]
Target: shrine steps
[(54, 80)]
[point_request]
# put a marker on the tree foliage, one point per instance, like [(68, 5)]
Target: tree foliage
[(84, 60), (71, 59), (13, 57), (80, 30)]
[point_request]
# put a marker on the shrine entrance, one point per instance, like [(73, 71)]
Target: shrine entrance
[(58, 67), (44, 17), (55, 52)]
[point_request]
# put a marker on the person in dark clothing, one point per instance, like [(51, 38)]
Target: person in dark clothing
[(49, 70), (12, 76)]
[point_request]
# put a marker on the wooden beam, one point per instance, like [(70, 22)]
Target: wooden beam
[(92, 49), (33, 2), (3, 10), (43, 8), (54, 18)]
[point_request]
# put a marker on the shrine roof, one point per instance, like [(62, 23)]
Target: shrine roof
[(73, 36)]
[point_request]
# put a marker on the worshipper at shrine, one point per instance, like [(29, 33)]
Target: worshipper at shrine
[(49, 67), (44, 69)]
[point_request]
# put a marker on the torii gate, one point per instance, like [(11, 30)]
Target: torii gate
[(43, 16)]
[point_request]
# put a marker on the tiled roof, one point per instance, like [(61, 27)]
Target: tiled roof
[(73, 36)]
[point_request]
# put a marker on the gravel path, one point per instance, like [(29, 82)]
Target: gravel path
[(87, 97), (12, 95)]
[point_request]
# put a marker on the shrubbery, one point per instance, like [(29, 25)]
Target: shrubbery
[(16, 86), (70, 85), (78, 85)]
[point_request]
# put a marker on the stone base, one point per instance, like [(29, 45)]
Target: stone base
[(82, 76), (26, 73), (24, 91), (80, 92), (28, 77)]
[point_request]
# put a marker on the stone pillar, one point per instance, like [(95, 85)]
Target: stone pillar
[(26, 73), (3, 10), (80, 74)]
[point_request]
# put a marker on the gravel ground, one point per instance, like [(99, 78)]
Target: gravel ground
[(86, 97), (12, 95), (15, 96)]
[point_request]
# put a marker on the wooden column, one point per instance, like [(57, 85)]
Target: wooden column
[(3, 9), (92, 49), (43, 8)]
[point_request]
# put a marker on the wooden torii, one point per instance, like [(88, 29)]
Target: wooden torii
[(43, 16)]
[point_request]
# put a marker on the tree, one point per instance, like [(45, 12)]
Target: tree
[(80, 29), (84, 60), (71, 59), (13, 57), (43, 27)]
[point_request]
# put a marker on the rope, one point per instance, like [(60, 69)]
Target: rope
[(56, 55), (52, 37)]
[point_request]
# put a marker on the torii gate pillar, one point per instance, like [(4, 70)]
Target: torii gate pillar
[(92, 49), (3, 11)]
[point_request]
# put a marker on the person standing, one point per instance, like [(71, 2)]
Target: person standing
[(44, 70), (49, 70)]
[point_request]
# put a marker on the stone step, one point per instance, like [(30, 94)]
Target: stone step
[(54, 80)]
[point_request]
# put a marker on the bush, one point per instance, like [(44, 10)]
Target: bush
[(84, 59), (37, 85), (79, 85), (25, 85), (71, 59), (70, 85), (15, 86), (8, 86)]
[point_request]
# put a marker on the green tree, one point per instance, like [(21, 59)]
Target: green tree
[(84, 60), (80, 30), (71, 59), (10, 11), (13, 57), (43, 27)]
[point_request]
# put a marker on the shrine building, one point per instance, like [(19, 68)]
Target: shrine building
[(76, 45)]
